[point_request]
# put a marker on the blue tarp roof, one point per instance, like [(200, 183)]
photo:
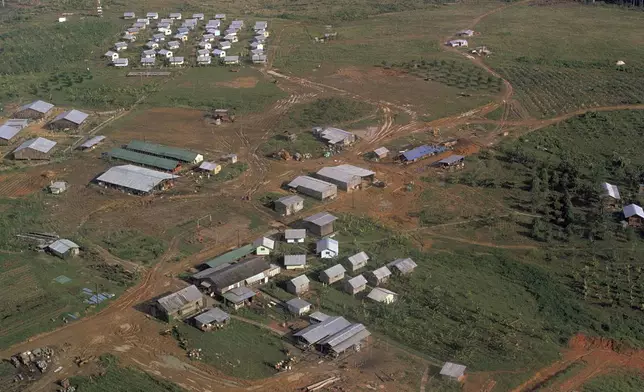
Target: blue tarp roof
[(421, 151)]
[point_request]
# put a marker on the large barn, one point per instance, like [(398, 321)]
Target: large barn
[(135, 179), (34, 110), (71, 119), (38, 148)]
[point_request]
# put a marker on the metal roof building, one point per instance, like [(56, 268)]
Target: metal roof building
[(19, 123), (143, 159), (62, 246), (420, 152), (334, 135), (348, 337), (379, 294), (633, 210), (453, 370), (239, 294), (320, 224), (38, 148), (356, 284), (357, 261), (92, 142), (316, 332), (214, 315), (36, 109), (7, 133), (379, 275), (314, 187), (165, 151), (294, 261), (333, 274), (451, 160), (295, 234), (327, 248), (70, 119), (318, 317), (298, 306), (175, 301), (239, 272), (288, 205), (134, 178), (381, 152), (610, 191), (231, 256), (404, 266), (298, 285), (347, 177)]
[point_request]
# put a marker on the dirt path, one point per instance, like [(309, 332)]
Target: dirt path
[(260, 325)]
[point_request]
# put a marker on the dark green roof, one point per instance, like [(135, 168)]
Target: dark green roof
[(162, 151), (231, 256), (143, 159)]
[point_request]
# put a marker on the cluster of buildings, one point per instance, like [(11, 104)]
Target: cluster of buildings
[(324, 184), (212, 46), (38, 148), (611, 199), (460, 42)]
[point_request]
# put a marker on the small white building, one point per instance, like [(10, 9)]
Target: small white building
[(148, 61), (160, 37), (204, 60), (465, 33), (111, 55), (58, 187), (215, 32), (64, 248), (333, 274), (172, 45), (145, 21), (263, 246), (129, 15), (149, 54), (165, 53), (259, 58), (181, 37), (152, 15), (205, 45), (232, 38), (225, 45), (327, 248), (122, 62), (453, 371), (220, 16), (298, 306), (198, 16), (140, 26), (357, 261), (203, 52), (294, 236), (129, 37), (231, 60), (175, 15), (120, 46), (152, 45), (457, 43), (176, 61), (382, 295), (257, 45), (208, 37), (219, 53)]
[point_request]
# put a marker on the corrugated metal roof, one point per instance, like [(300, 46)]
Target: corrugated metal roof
[(92, 141), (164, 151), (74, 116), (265, 242), (294, 260), (381, 273), (150, 52), (19, 123), (148, 61), (318, 316), (421, 151), (290, 200), (231, 59), (333, 135), (321, 219), (313, 184), (39, 144), (327, 243), (239, 294), (297, 303), (358, 259), (204, 59), (175, 15), (143, 159), (231, 256), (633, 210), (173, 44), (164, 52), (381, 151), (334, 271), (214, 315), (239, 272), (342, 335), (611, 190), (175, 301), (301, 280), (355, 170), (38, 106), (7, 132), (63, 245), (208, 166), (120, 45), (452, 370), (220, 16), (339, 175), (316, 332), (294, 234), (176, 60), (405, 266), (134, 177), (123, 62), (351, 341), (379, 294), (451, 159), (357, 281)]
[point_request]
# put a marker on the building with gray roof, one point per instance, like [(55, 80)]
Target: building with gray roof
[(63, 248), (19, 123), (317, 317), (239, 296), (70, 119), (320, 224), (382, 295), (355, 285), (634, 215), (38, 148), (298, 285), (295, 235), (135, 178), (288, 205), (213, 318), (381, 152), (92, 142), (327, 248), (452, 160), (316, 332), (182, 304), (611, 191), (403, 266), (351, 336), (346, 177), (298, 306), (332, 274), (357, 261), (34, 110), (292, 262), (243, 273), (316, 188), (7, 133), (335, 136), (379, 276), (453, 371)]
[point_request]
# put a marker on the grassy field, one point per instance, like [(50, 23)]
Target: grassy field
[(239, 350), (133, 245), (622, 382), (119, 378), (552, 75)]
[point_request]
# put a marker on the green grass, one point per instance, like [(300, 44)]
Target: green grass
[(305, 143), (329, 111), (231, 171), (18, 216), (463, 75), (551, 75), (621, 381), (133, 245), (239, 350), (117, 378)]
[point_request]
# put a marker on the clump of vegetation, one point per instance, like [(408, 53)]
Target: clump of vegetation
[(455, 74), (621, 381), (118, 378), (232, 171), (329, 111), (134, 245), (115, 273), (17, 216)]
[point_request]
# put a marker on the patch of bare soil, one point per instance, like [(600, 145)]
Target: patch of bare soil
[(242, 82)]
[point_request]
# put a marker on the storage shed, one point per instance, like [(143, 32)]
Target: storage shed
[(453, 371), (293, 236), (381, 295), (182, 304), (334, 136), (298, 285), (135, 179), (264, 246), (64, 248), (379, 276), (357, 261), (34, 110), (91, 143), (288, 205), (213, 318), (239, 297), (7, 133), (333, 274), (292, 262), (319, 189), (402, 266), (452, 161), (210, 167), (355, 285), (320, 224), (327, 248), (381, 152), (298, 306), (38, 148), (634, 215), (71, 119), (57, 187)]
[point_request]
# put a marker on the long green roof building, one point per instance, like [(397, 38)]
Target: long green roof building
[(160, 150), (144, 159)]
